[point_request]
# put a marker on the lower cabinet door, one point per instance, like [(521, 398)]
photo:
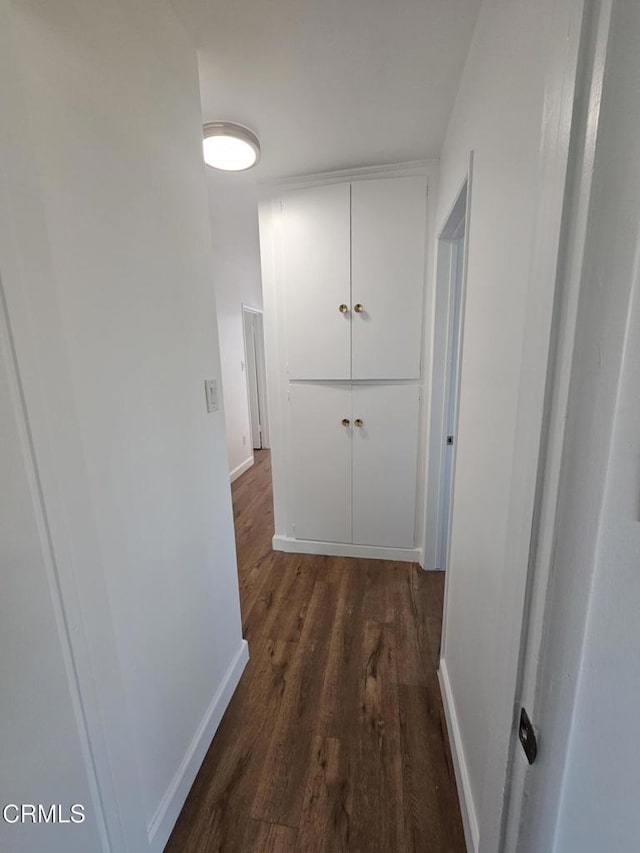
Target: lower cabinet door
[(321, 461), (385, 451)]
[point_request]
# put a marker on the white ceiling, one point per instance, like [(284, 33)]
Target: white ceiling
[(332, 84)]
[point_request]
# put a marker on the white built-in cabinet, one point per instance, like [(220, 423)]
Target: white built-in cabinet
[(353, 272), (350, 286)]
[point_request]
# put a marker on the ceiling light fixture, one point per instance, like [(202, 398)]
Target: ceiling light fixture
[(230, 147)]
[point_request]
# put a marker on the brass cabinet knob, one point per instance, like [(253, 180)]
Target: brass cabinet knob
[(358, 422), (358, 308), (345, 422), (343, 308)]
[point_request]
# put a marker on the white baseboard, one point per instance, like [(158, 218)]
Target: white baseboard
[(171, 803), (244, 466), (467, 807), (344, 549)]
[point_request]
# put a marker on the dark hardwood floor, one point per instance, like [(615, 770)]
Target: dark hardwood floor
[(335, 738)]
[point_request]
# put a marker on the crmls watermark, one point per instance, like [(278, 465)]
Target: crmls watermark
[(37, 813)]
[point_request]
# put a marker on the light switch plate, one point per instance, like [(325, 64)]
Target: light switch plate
[(211, 392)]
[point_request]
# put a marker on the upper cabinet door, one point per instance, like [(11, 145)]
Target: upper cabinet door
[(316, 272), (388, 234)]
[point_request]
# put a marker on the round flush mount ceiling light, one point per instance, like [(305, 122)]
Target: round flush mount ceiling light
[(230, 147)]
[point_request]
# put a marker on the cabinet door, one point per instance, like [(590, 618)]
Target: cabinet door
[(388, 225), (385, 453), (317, 281), (321, 462)]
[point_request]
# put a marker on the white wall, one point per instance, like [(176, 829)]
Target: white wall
[(498, 115), (233, 207), (584, 792), (111, 96)]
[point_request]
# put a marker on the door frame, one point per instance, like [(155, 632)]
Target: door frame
[(260, 375), (443, 358)]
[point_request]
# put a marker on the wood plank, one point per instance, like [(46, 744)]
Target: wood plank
[(375, 801), (282, 604), (381, 578), (432, 592), (270, 838), (280, 792), (418, 628), (339, 701), (325, 820), (252, 581), (431, 815)]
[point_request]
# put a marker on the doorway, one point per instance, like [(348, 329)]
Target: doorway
[(256, 377), (445, 381)]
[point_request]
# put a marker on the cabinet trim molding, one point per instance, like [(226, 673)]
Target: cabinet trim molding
[(271, 189), (345, 549)]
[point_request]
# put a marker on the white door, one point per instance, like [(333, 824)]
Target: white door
[(253, 394), (317, 282), (388, 234), (321, 461), (261, 368), (254, 365), (385, 453)]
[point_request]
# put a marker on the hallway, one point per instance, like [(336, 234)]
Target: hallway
[(335, 738)]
